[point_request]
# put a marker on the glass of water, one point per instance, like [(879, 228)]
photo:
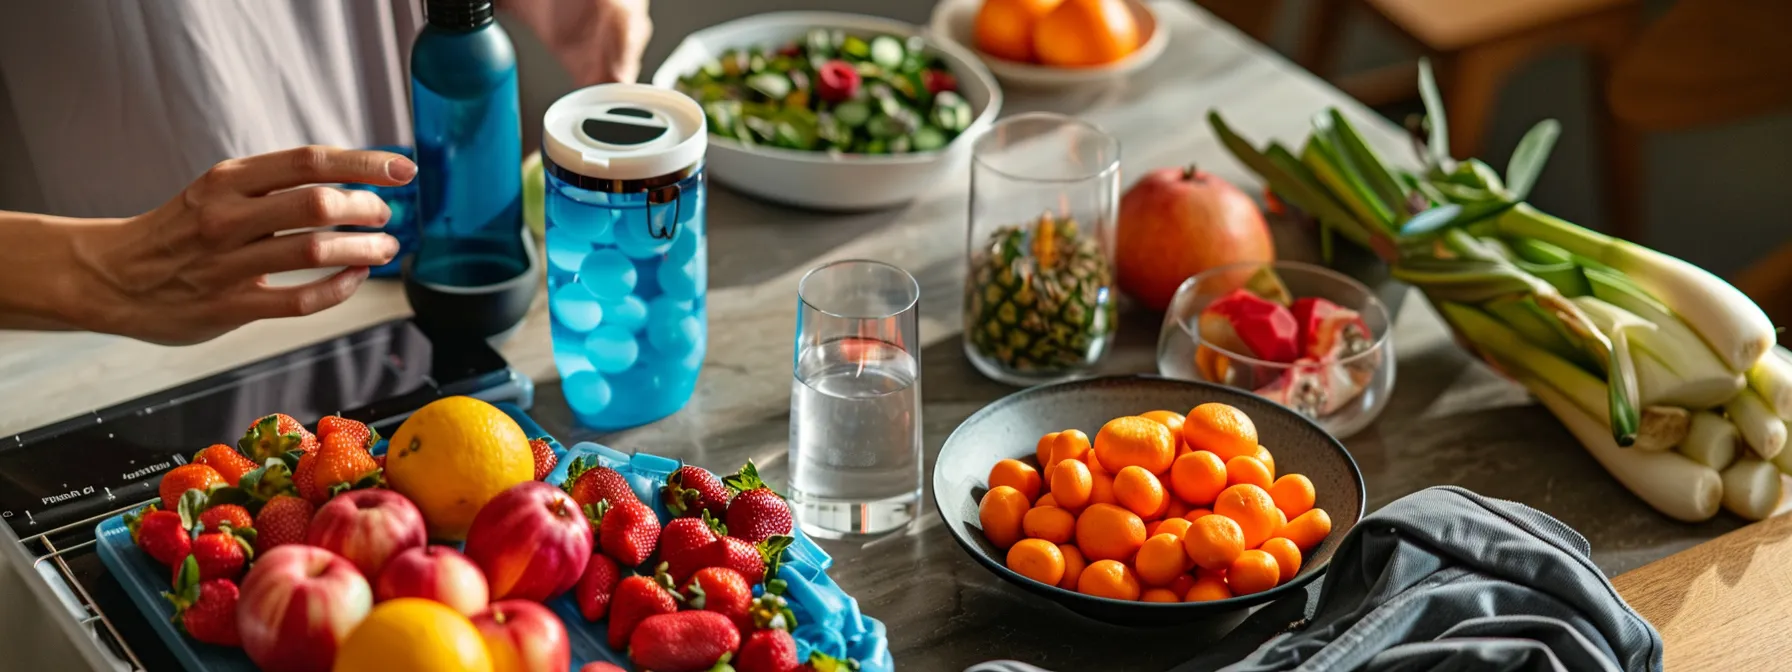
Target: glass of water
[(855, 401)]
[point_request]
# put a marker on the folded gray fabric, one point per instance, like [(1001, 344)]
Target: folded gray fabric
[(1445, 579)]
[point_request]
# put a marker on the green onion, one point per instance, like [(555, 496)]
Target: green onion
[(1751, 488), (1711, 440), (1735, 328), (1772, 379), (1764, 431)]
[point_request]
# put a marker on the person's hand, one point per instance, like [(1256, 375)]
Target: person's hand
[(597, 41), (196, 267)]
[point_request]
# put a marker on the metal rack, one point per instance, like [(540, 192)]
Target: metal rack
[(46, 550)]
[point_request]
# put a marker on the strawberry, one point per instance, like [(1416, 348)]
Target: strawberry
[(229, 464), (596, 586), (232, 515), (693, 489), (756, 512), (637, 598), (206, 609), (680, 541), (544, 457), (686, 641), (355, 431), (767, 651), (187, 477), (282, 521), (341, 463), (724, 591), (275, 435), (160, 534), (221, 554), (590, 484), (601, 666), (750, 560), (304, 480), (626, 532)]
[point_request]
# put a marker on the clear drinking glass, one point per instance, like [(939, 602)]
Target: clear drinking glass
[(1039, 296), (855, 400)]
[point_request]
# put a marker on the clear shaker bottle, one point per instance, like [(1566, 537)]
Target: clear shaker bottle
[(627, 257)]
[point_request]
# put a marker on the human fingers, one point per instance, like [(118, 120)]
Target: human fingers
[(264, 301), (313, 164), (299, 251), (235, 222)]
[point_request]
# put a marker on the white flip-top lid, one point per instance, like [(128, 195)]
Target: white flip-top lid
[(624, 132)]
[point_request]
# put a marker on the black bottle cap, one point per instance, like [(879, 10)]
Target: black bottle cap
[(458, 14)]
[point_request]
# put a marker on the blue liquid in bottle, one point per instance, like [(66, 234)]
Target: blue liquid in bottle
[(469, 148)]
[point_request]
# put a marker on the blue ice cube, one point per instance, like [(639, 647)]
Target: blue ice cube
[(566, 250), (590, 222), (612, 349), (684, 244), (674, 335), (574, 306), (684, 281), (608, 275), (640, 235), (586, 392), (629, 314)]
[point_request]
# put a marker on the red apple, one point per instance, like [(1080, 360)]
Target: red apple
[(524, 636), (435, 573), (532, 541), (1176, 222), (297, 603), (368, 527)]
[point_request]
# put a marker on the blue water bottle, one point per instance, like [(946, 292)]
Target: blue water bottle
[(474, 272), (628, 262)]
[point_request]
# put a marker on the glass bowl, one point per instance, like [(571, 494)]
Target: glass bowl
[(1343, 388)]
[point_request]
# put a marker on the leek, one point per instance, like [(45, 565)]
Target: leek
[(1783, 461), (1735, 328), (1711, 440), (1670, 482), (1658, 358), (1751, 488), (1772, 379), (1764, 431), (1690, 356)]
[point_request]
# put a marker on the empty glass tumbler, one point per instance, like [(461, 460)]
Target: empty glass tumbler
[(627, 256), (855, 400)]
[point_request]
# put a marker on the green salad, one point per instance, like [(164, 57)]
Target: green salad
[(833, 92)]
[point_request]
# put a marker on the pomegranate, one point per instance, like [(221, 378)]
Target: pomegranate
[(1176, 222)]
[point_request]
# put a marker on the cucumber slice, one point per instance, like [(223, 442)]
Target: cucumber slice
[(882, 127), (853, 113), (951, 112), (887, 101), (771, 85), (886, 51), (928, 138)]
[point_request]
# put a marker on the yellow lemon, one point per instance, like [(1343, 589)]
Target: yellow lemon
[(413, 634), (454, 455)]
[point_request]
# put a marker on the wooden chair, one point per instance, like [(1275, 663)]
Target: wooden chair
[(1474, 45)]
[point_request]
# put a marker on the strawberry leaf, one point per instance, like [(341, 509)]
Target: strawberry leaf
[(772, 549), (228, 495), (573, 471), (826, 663), (134, 519), (269, 480), (191, 504), (594, 512), (715, 526)]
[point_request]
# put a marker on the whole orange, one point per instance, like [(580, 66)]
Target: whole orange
[(1004, 28), (1083, 33), (1176, 222)]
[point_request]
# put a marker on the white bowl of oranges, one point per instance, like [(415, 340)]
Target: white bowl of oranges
[(1054, 43)]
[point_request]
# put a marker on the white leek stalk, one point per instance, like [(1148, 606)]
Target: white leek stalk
[(1783, 461), (1751, 488), (1735, 328), (1658, 428), (1772, 378), (1764, 431), (1711, 440), (1672, 483), (1669, 368)]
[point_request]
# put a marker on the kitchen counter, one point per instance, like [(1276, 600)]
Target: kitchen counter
[(1451, 420)]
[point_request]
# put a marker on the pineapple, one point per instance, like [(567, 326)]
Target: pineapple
[(1039, 300)]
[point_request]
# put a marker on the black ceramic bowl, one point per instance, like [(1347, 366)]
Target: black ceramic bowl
[(1011, 427)]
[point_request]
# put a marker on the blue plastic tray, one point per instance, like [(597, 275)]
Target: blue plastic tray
[(828, 619)]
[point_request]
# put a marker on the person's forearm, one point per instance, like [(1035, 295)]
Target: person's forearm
[(39, 274)]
